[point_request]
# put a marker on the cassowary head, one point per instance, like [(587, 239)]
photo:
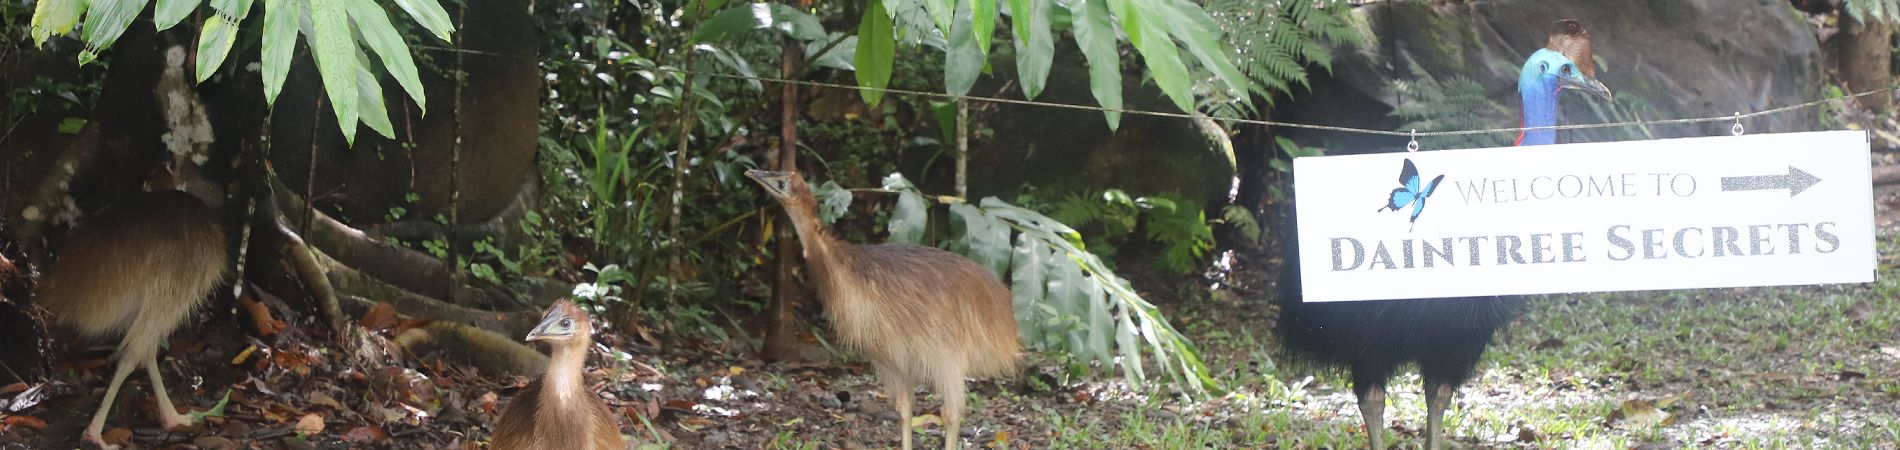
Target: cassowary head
[(1564, 63), (788, 187), (563, 322)]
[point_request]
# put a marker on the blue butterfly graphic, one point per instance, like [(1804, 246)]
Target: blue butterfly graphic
[(1410, 193)]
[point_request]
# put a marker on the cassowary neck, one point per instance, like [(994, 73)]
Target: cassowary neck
[(1539, 110), (563, 383), (816, 242)]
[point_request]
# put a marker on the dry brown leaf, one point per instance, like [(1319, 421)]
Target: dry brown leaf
[(118, 436), (488, 400), (368, 433), (318, 398), (24, 421), (310, 424)]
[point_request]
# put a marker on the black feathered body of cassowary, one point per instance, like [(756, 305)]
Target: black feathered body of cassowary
[(1444, 337)]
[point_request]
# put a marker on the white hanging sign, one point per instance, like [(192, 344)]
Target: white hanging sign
[(1757, 210)]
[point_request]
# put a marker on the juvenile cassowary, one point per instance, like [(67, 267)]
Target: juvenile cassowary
[(1445, 337)]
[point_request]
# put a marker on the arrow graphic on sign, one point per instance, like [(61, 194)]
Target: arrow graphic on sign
[(1795, 182)]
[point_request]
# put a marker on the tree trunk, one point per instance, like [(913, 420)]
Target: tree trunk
[(1865, 59), (780, 336)]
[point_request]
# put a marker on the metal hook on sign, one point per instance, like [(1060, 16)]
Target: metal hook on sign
[(1413, 145), (1736, 129)]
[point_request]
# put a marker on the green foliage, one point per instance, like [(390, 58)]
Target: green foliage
[(1456, 104), (1243, 222), (1275, 44), (1880, 10), (1159, 30), (1067, 300), (1180, 229), (337, 30)]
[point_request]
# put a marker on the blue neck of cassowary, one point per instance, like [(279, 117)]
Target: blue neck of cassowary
[(1539, 92)]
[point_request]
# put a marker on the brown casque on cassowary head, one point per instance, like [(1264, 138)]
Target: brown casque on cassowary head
[(140, 267), (920, 314), (557, 411)]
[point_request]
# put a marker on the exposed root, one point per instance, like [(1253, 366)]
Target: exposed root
[(482, 348)]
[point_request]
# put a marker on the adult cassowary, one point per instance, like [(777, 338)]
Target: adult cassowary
[(1445, 337)]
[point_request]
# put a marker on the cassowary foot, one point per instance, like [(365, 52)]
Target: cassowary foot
[(174, 421)]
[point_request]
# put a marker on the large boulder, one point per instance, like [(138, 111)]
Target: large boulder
[(1662, 58), (1061, 151)]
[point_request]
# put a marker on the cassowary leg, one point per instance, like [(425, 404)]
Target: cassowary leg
[(951, 389), (95, 430), (900, 389), (167, 414), (1437, 398), (1372, 409)]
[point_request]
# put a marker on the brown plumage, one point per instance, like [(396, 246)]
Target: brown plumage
[(920, 314), (139, 267), (556, 411)]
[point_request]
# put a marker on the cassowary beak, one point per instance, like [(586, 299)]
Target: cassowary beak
[(556, 325), (779, 184), (1586, 84)]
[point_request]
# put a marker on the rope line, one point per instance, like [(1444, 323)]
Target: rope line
[(1737, 118)]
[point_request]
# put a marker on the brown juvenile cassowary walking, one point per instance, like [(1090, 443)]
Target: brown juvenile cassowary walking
[(140, 267), (921, 314), (1444, 336), (557, 411)]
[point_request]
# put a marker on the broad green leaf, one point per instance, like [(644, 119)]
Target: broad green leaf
[(219, 32), (1068, 291), (946, 114), (776, 16), (382, 38), (431, 15), (1095, 34), (963, 62), (823, 53), (734, 62), (1131, 350), (107, 20), (877, 50), (985, 23), (987, 240), (940, 13), (1100, 326), (1190, 24), (1033, 55), (71, 125), (335, 48), (55, 17), (215, 411), (1130, 19), (280, 43), (370, 97), (1164, 63), (1026, 283), (833, 201), (169, 12), (1019, 19), (910, 216)]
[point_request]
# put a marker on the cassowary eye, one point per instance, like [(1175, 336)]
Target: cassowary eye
[(1565, 70), (567, 323)]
